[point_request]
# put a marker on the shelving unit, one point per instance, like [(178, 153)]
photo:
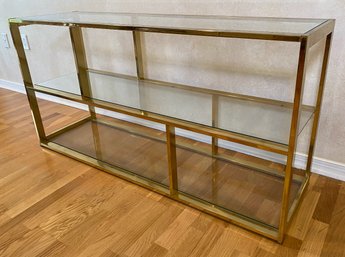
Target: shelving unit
[(254, 193)]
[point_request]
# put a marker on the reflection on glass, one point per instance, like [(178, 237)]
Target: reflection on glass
[(136, 153), (240, 189)]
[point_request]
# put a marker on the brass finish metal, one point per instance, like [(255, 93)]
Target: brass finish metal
[(306, 40), (293, 136), (138, 54), (96, 139), (318, 103), (81, 64), (31, 95), (172, 162), (215, 106), (293, 37), (139, 66)]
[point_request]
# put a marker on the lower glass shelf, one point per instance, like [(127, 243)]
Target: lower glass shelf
[(249, 193)]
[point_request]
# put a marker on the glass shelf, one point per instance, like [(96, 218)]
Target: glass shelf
[(231, 187), (260, 25), (251, 116)]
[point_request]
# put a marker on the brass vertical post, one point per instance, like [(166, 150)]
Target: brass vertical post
[(293, 136), (172, 162), (31, 95), (84, 81), (81, 64), (215, 107), (215, 119), (318, 103), (138, 54), (96, 140)]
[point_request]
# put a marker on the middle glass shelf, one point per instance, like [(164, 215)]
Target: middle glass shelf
[(255, 117)]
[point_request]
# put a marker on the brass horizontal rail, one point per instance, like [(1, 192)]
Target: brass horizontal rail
[(198, 128), (289, 37)]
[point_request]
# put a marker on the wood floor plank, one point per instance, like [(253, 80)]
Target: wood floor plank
[(144, 242), (31, 244), (208, 240), (44, 203), (186, 244), (290, 247), (177, 228), (328, 197), (54, 249), (334, 244), (155, 251), (28, 202), (300, 223), (312, 246)]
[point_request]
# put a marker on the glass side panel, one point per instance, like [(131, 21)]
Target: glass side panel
[(57, 113), (253, 118), (193, 22), (51, 56)]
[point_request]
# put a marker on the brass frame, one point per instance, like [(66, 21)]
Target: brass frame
[(306, 40)]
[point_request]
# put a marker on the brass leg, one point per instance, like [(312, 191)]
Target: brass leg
[(24, 67), (81, 64), (172, 162), (97, 140), (215, 106), (293, 137), (215, 172), (318, 103)]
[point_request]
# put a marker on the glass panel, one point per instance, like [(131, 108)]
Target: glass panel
[(110, 50), (234, 180), (301, 156), (57, 113), (132, 147), (51, 57), (267, 121), (221, 23), (243, 66), (253, 118), (313, 73)]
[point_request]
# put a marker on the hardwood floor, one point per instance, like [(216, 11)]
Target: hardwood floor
[(51, 205)]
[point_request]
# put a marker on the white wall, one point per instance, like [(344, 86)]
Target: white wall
[(192, 61)]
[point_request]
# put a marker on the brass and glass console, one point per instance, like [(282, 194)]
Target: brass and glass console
[(197, 145)]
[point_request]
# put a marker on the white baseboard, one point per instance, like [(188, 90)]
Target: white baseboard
[(320, 166)]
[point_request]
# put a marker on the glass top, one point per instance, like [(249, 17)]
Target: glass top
[(253, 118), (261, 25)]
